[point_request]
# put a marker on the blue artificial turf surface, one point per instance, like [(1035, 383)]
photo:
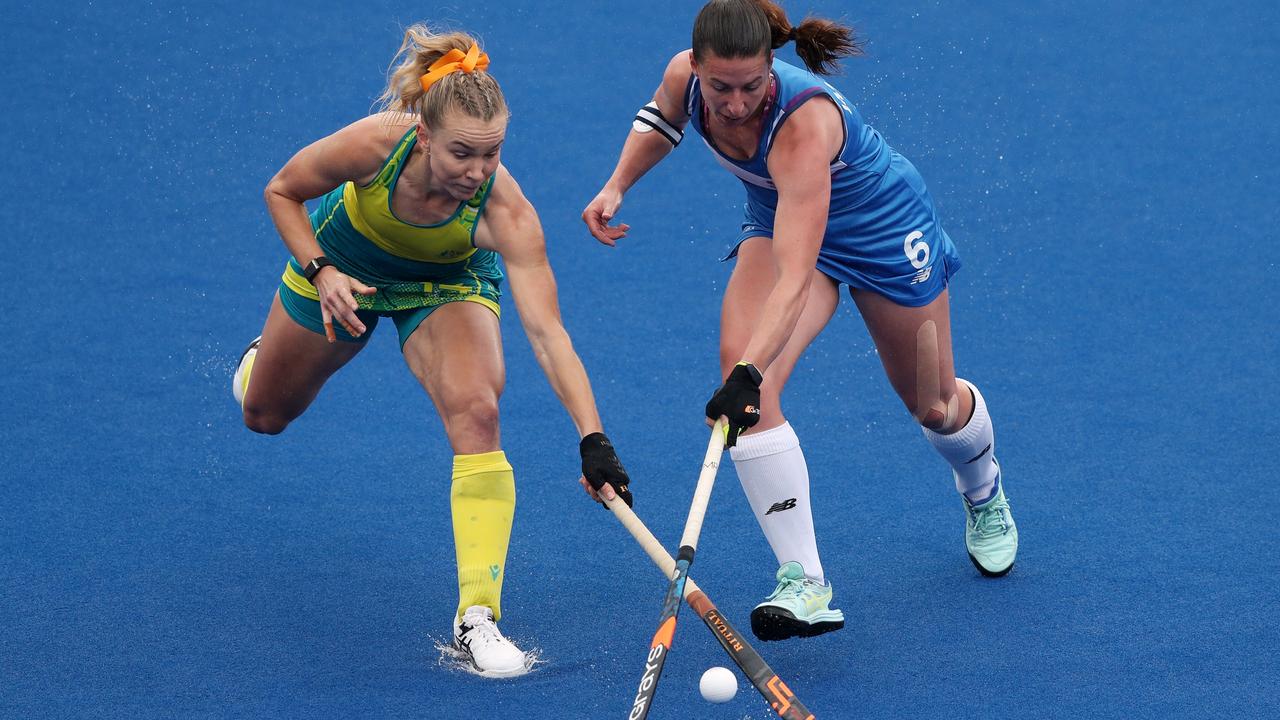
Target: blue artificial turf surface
[(1108, 170)]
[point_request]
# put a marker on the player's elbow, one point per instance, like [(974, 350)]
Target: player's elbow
[(273, 191), (272, 188), (277, 190)]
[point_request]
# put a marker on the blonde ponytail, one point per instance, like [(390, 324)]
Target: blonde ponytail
[(476, 93)]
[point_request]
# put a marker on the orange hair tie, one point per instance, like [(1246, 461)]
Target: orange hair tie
[(454, 61)]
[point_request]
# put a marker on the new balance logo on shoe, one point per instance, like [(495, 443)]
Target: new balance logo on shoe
[(788, 504)]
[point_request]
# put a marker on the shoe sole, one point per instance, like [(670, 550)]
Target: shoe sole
[(771, 624), (989, 573)]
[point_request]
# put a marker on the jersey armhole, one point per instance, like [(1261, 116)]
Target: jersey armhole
[(487, 191), (397, 154), (688, 95), (795, 104)]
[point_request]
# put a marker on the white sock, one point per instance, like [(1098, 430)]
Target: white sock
[(775, 478), (971, 451)]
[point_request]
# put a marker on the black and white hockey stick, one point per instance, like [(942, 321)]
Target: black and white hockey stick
[(765, 680), (662, 639)]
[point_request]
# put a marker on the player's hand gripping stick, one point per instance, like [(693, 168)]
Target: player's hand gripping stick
[(738, 400)]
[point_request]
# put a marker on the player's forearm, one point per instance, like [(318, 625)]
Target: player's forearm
[(782, 312), (293, 224), (640, 153), (567, 376), (797, 240)]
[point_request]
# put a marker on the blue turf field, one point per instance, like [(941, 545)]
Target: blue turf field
[(1109, 172)]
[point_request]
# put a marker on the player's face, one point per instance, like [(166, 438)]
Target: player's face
[(465, 151), (733, 88)]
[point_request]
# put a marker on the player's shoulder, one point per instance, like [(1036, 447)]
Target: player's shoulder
[(675, 78), (816, 102), (679, 66), (505, 188), (509, 223), (361, 147), (813, 132), (356, 151), (381, 130), (376, 133), (506, 198)]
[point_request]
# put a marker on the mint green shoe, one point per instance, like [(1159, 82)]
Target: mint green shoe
[(990, 535), (798, 607)]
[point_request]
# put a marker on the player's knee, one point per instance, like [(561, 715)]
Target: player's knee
[(483, 412), (264, 422), (477, 419)]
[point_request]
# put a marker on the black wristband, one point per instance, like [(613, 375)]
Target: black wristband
[(314, 267)]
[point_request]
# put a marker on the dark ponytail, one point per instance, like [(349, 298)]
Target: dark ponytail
[(822, 43), (746, 28)]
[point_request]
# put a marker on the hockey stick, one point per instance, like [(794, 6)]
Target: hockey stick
[(775, 692), (662, 639)]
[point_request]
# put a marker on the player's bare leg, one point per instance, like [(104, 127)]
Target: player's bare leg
[(768, 458), (914, 344), (456, 353), (289, 366)]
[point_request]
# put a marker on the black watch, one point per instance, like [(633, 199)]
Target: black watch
[(313, 268), (753, 372)]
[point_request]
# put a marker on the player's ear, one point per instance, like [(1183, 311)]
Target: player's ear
[(424, 136)]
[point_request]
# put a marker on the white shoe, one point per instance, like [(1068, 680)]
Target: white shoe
[(240, 383), (477, 638)]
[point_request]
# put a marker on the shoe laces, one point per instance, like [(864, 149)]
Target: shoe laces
[(990, 521), (788, 588), (483, 630)]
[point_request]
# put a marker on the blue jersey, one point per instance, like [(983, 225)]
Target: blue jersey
[(882, 231)]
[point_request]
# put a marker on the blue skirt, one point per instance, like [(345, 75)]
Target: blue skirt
[(891, 242)]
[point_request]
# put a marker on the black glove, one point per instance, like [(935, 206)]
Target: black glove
[(600, 465), (738, 399)]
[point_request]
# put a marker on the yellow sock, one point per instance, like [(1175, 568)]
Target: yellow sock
[(483, 500)]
